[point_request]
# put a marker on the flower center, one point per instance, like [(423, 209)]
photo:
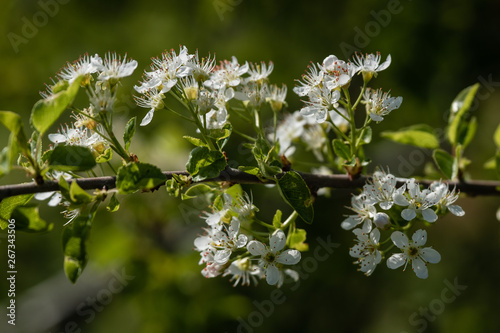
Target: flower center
[(270, 257)]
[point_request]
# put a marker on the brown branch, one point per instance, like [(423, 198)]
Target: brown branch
[(473, 187)]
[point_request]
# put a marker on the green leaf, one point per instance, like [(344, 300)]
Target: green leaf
[(74, 239), (78, 195), (105, 157), (71, 158), (496, 136), (46, 111), (137, 176), (277, 219), (252, 170), (204, 163), (222, 135), (297, 240), (341, 149), (17, 141), (195, 141), (469, 132), (8, 205), (446, 163), (14, 124), (113, 205), (419, 135), (296, 193), (461, 104), (129, 132), (196, 190), (28, 220)]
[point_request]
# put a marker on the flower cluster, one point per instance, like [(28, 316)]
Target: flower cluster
[(227, 247), (297, 128), (322, 84), (400, 208), (206, 88)]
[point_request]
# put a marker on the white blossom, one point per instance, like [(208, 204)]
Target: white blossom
[(272, 256), (413, 251), (366, 250), (379, 104)]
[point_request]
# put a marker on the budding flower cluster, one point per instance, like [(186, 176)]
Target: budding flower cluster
[(400, 208)]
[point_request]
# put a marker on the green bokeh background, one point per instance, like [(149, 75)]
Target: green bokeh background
[(437, 47)]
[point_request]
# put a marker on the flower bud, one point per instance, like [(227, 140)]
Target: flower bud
[(382, 221)]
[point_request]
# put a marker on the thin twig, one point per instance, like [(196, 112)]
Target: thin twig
[(315, 181)]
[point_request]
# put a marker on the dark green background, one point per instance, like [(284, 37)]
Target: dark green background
[(437, 47)]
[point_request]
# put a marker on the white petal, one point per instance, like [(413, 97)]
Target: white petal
[(376, 117), (277, 241), (408, 214), (396, 260), (222, 257), (456, 210), (272, 275), (55, 200), (202, 242), (429, 215), (288, 257), (57, 138), (43, 195), (350, 222), (385, 64), (375, 236), (430, 255), (400, 200), (399, 239), (147, 119), (256, 248), (419, 237), (385, 205), (420, 268)]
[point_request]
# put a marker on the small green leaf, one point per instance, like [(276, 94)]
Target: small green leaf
[(78, 195), (71, 158), (113, 205), (196, 190), (14, 124), (105, 157), (195, 141), (28, 220), (252, 170), (17, 141), (419, 135), (446, 163), (222, 135), (8, 205), (341, 149), (74, 239), (496, 136), (204, 163), (297, 240), (296, 193), (277, 219), (460, 106), (137, 176), (46, 111), (129, 132), (469, 133)]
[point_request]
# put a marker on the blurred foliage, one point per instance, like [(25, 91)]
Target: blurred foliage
[(437, 47)]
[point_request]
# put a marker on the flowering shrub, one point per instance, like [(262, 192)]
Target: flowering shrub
[(235, 242)]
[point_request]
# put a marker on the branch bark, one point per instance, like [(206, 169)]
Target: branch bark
[(315, 181)]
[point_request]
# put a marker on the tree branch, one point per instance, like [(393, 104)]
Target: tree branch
[(315, 181)]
